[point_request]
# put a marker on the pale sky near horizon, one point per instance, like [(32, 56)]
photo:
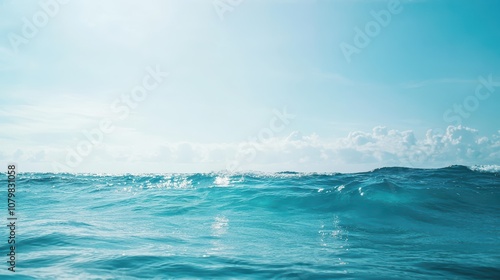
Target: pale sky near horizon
[(423, 90)]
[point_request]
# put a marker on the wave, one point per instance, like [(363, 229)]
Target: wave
[(42, 177), (441, 222)]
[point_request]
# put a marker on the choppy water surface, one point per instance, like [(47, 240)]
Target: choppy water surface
[(390, 223)]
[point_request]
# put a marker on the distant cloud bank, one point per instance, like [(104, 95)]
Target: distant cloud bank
[(358, 151)]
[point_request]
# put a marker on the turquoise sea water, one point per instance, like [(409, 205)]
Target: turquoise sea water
[(391, 223)]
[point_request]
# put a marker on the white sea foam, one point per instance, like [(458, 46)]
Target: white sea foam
[(221, 181), (492, 168)]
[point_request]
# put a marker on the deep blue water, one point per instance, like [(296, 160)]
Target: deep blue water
[(390, 223)]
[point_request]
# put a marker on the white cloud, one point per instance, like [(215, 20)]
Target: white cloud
[(357, 151)]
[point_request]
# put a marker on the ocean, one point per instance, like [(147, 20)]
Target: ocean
[(390, 223)]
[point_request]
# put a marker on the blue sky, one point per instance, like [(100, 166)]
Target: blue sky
[(233, 69)]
